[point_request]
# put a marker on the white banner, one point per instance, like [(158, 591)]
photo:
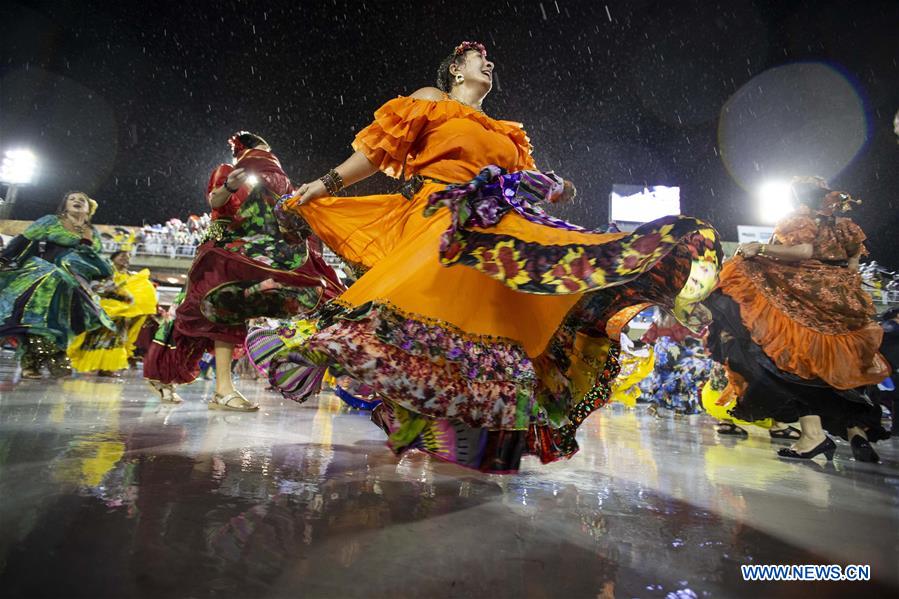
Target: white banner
[(748, 233)]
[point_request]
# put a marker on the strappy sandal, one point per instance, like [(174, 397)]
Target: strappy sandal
[(166, 392), (234, 402), (729, 428), (790, 432)]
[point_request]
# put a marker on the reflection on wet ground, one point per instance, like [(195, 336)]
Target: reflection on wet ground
[(107, 493)]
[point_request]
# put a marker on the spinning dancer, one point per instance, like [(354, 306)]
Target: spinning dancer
[(797, 332), (246, 268), (480, 321), (45, 294)]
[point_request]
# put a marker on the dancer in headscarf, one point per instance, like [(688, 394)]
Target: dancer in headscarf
[(796, 330), (246, 268)]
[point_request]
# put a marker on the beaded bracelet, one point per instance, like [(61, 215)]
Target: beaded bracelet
[(332, 181)]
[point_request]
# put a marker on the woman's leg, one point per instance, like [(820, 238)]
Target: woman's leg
[(812, 433), (223, 382), (226, 396), (856, 431)]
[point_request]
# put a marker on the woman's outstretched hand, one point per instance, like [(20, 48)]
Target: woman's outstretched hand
[(309, 191)]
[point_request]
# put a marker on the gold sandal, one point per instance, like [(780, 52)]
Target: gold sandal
[(166, 392), (234, 402)]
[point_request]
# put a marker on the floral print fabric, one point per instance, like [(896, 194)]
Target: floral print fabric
[(681, 369), (45, 280), (562, 269)]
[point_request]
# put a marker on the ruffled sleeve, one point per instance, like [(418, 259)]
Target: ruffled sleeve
[(219, 176), (796, 230), (397, 125), (517, 134), (388, 141)]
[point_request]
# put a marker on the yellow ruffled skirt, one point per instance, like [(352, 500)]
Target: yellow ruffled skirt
[(634, 368), (107, 350)]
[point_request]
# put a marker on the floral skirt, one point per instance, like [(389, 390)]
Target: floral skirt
[(681, 370), (812, 320), (44, 299), (634, 369), (481, 321), (248, 271)]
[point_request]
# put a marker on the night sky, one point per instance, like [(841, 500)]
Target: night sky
[(133, 101)]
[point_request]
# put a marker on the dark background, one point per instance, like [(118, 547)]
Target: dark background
[(133, 101)]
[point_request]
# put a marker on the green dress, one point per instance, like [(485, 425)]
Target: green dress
[(45, 276)]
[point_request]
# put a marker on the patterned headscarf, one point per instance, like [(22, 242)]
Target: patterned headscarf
[(830, 201), (237, 146)]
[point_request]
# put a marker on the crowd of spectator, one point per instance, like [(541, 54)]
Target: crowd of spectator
[(174, 238)]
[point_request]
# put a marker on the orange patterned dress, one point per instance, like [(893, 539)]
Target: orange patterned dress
[(810, 321), (480, 319)]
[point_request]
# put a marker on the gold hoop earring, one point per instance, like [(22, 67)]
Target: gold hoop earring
[(460, 78)]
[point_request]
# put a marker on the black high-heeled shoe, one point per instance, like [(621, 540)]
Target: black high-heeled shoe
[(827, 447), (862, 450)]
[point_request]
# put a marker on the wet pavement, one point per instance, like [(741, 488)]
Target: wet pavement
[(106, 493)]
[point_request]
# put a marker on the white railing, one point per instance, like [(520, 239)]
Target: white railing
[(884, 296), (161, 248), (153, 248)]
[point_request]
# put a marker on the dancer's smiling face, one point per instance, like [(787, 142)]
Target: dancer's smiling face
[(475, 68), (121, 261)]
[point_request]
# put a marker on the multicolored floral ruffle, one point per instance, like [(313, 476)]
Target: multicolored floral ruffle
[(563, 269), (429, 367), (494, 451)]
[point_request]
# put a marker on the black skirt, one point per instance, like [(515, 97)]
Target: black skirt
[(777, 394)]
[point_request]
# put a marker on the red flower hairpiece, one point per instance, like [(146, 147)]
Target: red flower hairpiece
[(237, 147), (466, 46)]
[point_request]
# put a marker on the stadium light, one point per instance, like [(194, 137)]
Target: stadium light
[(18, 167), (775, 201)]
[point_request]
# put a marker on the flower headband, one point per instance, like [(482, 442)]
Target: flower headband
[(466, 46)]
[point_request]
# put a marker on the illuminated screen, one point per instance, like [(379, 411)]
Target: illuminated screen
[(639, 204)]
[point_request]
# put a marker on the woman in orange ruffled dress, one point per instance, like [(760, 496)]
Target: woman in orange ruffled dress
[(480, 319), (797, 332)]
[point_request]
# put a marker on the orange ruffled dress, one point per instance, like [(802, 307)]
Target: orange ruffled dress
[(485, 342), (809, 323)]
